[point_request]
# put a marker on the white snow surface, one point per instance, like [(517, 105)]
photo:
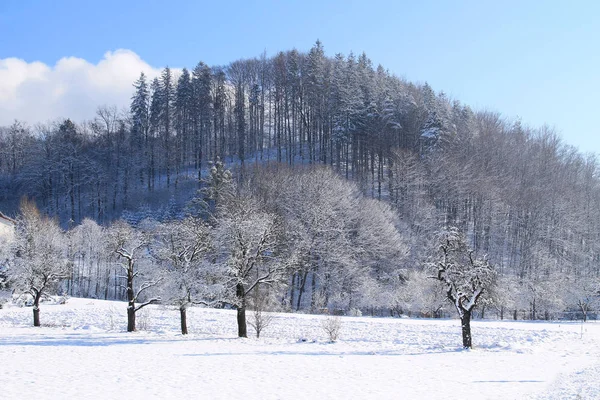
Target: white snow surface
[(82, 351)]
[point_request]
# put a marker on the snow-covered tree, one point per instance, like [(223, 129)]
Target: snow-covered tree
[(39, 261), (90, 271), (7, 237), (181, 247), (140, 103), (583, 293), (249, 243), (218, 188), (417, 294), (465, 277)]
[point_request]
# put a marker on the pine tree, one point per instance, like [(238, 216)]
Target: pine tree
[(140, 115), (154, 131), (201, 112), (140, 111), (167, 95), (183, 118)]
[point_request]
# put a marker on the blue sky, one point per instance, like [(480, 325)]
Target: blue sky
[(539, 60)]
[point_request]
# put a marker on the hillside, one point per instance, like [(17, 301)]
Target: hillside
[(522, 198)]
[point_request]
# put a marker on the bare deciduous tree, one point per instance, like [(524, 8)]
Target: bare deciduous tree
[(260, 305), (129, 245)]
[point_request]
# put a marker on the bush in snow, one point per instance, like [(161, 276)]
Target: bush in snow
[(62, 299), (355, 312), (331, 325)]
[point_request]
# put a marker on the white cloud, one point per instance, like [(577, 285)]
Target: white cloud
[(73, 88)]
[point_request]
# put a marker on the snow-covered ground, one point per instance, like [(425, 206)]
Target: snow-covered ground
[(82, 351)]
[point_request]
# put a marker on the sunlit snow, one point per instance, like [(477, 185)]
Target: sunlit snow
[(83, 351)]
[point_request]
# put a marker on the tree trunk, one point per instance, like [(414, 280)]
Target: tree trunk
[(36, 315), (303, 278), (36, 309), (130, 297), (131, 317), (183, 314), (465, 321), (241, 311)]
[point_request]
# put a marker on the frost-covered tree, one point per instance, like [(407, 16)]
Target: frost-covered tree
[(167, 99), (249, 242), (343, 245), (417, 294), (217, 188), (90, 274), (465, 277), (39, 261), (140, 112), (7, 237), (583, 293), (181, 247), (130, 244)]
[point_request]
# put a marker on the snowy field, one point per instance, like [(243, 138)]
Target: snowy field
[(82, 351)]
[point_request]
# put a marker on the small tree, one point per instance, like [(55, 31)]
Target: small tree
[(465, 278), (216, 188), (583, 293), (332, 324), (129, 242), (260, 318), (39, 261)]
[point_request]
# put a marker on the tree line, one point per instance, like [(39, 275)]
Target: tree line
[(521, 196)]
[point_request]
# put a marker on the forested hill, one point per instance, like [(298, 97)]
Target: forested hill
[(523, 197)]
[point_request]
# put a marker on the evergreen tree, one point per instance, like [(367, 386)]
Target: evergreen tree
[(167, 95), (140, 111)]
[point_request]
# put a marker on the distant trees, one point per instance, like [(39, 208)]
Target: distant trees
[(520, 195), (90, 274), (340, 243)]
